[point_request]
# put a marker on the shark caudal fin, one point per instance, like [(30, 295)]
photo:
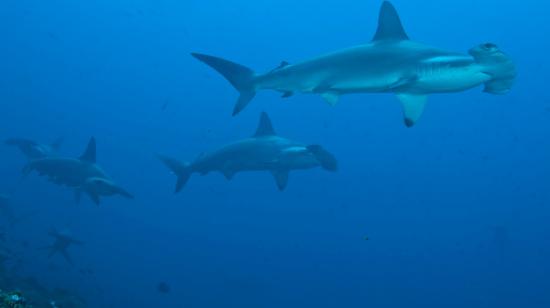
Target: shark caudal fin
[(325, 158), (181, 170), (241, 77)]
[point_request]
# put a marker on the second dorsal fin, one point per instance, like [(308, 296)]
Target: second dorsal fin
[(389, 24), (265, 128)]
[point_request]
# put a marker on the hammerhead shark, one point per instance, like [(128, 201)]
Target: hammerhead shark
[(82, 174), (34, 150), (62, 241), (390, 63), (264, 151)]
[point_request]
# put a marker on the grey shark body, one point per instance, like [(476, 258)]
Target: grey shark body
[(390, 63), (265, 151), (73, 172), (34, 150)]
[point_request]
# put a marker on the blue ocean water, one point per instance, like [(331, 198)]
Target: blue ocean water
[(451, 213)]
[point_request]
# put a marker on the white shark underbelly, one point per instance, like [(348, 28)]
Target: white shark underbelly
[(442, 77)]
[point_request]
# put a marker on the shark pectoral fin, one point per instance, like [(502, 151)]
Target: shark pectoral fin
[(94, 197), (331, 98), (281, 178), (413, 106)]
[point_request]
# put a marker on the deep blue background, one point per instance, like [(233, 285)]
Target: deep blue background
[(456, 208)]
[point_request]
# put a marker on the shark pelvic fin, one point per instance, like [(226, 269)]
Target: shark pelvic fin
[(413, 107), (389, 24), (331, 98), (281, 178), (265, 128), (90, 153)]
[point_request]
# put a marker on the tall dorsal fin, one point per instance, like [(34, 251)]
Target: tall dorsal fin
[(389, 24), (264, 127), (89, 154)]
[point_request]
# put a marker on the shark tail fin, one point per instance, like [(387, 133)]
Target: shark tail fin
[(181, 170), (241, 77), (325, 158)]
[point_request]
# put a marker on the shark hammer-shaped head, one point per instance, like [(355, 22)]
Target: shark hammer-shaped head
[(496, 64), (96, 187)]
